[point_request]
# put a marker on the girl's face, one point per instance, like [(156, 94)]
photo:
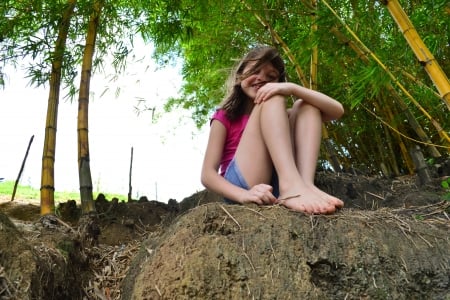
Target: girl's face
[(251, 84)]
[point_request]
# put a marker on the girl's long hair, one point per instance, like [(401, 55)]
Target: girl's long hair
[(236, 100)]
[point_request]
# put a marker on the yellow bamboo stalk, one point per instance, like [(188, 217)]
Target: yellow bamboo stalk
[(315, 53), (426, 59), (48, 156), (442, 133), (314, 67), (84, 171)]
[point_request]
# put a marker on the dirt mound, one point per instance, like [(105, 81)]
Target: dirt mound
[(248, 252), (38, 262), (390, 241)]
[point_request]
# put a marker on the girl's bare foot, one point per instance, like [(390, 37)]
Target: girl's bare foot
[(308, 201), (338, 203)]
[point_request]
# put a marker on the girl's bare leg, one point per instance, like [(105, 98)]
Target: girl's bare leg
[(306, 122), (267, 139)]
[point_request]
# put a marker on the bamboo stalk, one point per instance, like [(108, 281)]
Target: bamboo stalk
[(418, 82), (381, 154), (396, 97), (84, 169), (442, 133), (403, 149), (389, 144), (426, 59), (315, 52), (48, 155)]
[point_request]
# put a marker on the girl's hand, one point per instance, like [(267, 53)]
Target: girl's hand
[(273, 88), (260, 194)]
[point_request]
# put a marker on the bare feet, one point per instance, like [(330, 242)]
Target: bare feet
[(309, 201), (338, 203)]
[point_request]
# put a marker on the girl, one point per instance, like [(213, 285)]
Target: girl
[(266, 154)]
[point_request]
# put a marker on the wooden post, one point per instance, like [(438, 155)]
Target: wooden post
[(421, 165), (21, 168), (130, 188)]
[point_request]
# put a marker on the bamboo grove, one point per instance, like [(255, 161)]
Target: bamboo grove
[(386, 61), (352, 50)]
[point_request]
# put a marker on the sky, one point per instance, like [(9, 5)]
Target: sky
[(167, 150)]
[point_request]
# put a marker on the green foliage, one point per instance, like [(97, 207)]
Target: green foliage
[(446, 185), (209, 36), (418, 217)]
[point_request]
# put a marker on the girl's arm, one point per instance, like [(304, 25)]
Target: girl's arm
[(213, 181), (331, 109), (210, 177)]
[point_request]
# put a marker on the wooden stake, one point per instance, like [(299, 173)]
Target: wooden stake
[(21, 168), (130, 188)]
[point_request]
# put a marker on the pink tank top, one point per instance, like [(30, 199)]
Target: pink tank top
[(234, 133)]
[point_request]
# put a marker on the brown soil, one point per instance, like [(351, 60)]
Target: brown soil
[(389, 242)]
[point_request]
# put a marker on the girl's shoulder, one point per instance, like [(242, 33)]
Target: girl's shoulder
[(221, 115)]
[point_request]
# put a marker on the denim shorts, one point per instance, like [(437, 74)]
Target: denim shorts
[(233, 174)]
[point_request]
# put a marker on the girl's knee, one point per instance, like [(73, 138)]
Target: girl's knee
[(303, 106), (300, 106), (276, 98), (274, 102)]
